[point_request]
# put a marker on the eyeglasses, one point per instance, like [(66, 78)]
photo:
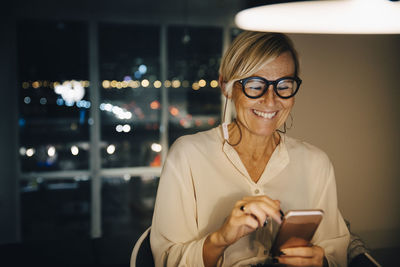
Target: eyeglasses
[(255, 87)]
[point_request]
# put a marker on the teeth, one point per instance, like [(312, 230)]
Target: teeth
[(264, 114)]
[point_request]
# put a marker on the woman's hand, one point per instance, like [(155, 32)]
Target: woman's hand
[(303, 256), (247, 215)]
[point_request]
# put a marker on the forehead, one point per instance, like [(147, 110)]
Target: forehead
[(281, 66)]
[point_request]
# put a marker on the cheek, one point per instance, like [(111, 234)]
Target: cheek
[(240, 101), (288, 104), (242, 104)]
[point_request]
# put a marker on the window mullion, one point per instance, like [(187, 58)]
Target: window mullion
[(95, 160), (164, 92), (226, 40)]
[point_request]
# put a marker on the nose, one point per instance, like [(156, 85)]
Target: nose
[(269, 97)]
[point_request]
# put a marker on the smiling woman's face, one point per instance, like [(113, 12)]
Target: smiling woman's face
[(262, 116)]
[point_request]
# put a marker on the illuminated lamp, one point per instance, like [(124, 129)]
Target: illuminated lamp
[(332, 17)]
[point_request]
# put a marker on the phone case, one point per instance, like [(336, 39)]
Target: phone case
[(297, 229)]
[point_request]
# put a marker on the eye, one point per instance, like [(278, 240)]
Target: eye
[(286, 85), (255, 84)]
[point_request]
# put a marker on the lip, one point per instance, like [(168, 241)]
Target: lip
[(255, 111)]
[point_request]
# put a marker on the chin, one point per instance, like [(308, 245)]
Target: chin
[(263, 132)]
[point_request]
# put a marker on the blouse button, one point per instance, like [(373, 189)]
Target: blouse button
[(257, 191)]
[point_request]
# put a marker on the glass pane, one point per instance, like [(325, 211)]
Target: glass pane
[(53, 95), (55, 208), (127, 205), (130, 95), (195, 99), (234, 32)]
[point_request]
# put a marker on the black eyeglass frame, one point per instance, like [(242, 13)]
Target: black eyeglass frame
[(268, 83)]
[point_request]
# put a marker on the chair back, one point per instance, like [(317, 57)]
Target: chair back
[(141, 254)]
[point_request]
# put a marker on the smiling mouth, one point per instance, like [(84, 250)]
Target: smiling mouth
[(265, 115)]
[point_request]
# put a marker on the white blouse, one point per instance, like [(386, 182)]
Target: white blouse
[(202, 179)]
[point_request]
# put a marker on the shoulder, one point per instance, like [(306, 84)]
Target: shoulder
[(314, 162), (205, 140), (305, 150), (188, 151)]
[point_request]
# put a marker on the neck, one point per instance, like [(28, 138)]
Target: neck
[(251, 144)]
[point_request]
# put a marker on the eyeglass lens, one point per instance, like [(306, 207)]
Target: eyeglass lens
[(255, 87)]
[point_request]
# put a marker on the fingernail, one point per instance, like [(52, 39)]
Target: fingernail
[(281, 253), (275, 260)]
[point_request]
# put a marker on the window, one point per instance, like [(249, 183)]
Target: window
[(128, 203), (195, 100), (130, 95), (146, 73), (53, 95), (55, 208), (54, 128)]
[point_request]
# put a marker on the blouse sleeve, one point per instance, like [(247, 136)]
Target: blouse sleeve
[(332, 234), (174, 234)]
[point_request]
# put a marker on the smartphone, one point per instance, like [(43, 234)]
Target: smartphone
[(297, 229)]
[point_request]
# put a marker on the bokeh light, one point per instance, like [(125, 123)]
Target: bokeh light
[(145, 83), (51, 151), (111, 149), (155, 104), (74, 150), (157, 84), (214, 83), (30, 152), (156, 147), (126, 128), (174, 111), (106, 84), (195, 86), (202, 83), (176, 83), (167, 83)]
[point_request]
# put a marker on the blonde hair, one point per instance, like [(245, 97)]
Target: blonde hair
[(249, 52)]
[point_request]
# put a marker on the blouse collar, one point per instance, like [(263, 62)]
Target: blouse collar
[(278, 161)]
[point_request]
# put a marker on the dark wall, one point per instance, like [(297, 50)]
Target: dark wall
[(8, 135)]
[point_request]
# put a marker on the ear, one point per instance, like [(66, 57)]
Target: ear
[(222, 85)]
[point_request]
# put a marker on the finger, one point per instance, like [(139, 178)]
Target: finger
[(298, 252), (240, 208), (240, 213), (270, 207), (262, 210), (273, 213), (296, 261), (268, 201), (303, 256), (312, 251), (251, 209), (240, 203), (275, 203), (255, 210), (249, 221)]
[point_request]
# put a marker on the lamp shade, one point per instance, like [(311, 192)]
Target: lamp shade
[(340, 16)]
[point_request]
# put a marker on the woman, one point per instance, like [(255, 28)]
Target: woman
[(219, 187)]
